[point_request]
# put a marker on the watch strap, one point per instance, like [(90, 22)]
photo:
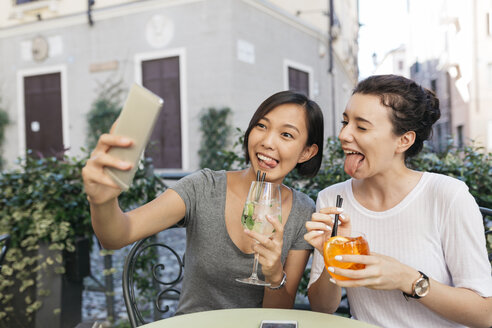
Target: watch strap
[(282, 283), (414, 295)]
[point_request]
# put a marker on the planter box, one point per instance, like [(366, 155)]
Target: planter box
[(65, 293)]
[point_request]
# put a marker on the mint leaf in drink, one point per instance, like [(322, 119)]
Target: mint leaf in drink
[(250, 223), (251, 209), (247, 212), (247, 217)]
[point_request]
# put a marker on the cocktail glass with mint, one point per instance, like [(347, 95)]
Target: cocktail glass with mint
[(264, 199)]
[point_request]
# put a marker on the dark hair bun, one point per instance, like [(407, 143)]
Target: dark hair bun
[(432, 112)]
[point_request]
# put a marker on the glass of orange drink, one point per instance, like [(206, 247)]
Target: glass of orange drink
[(354, 244)]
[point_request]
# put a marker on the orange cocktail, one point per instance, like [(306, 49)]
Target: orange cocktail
[(340, 245)]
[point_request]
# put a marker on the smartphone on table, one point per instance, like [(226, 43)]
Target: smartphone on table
[(278, 324), (136, 121)]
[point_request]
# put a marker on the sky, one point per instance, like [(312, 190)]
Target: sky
[(383, 28)]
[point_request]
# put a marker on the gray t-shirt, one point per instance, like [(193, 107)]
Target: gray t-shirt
[(213, 261)]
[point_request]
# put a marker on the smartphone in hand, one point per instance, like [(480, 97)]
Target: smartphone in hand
[(278, 324), (136, 121)]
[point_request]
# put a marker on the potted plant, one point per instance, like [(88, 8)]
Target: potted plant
[(44, 209)]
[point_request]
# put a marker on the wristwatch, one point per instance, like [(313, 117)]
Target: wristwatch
[(282, 283), (420, 287)]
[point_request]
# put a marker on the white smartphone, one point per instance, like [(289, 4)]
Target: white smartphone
[(278, 324), (136, 121)]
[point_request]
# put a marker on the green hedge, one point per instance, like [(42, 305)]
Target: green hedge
[(104, 109), (43, 200), (215, 137), (4, 121)]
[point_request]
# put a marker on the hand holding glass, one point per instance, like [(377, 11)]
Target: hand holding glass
[(354, 244), (263, 200)]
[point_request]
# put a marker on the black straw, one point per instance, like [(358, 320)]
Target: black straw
[(261, 180), (335, 224)]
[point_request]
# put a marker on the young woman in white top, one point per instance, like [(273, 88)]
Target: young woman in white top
[(428, 265)]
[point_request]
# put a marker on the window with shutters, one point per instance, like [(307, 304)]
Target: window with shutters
[(299, 81)]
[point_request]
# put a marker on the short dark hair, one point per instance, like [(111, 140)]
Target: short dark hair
[(414, 108), (314, 118)]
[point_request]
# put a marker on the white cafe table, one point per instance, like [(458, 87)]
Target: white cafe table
[(251, 318)]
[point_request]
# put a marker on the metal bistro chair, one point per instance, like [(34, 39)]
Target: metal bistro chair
[(152, 271), (4, 243)]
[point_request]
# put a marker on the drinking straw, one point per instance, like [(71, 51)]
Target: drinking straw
[(260, 187), (335, 224)]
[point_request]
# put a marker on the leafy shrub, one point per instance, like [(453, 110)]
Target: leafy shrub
[(104, 110), (43, 202), (215, 137), (4, 121), (145, 187), (472, 165), (233, 157)]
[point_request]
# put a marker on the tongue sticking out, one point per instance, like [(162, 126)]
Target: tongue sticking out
[(271, 163), (352, 163)]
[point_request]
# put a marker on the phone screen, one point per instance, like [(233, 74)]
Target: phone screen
[(278, 324)]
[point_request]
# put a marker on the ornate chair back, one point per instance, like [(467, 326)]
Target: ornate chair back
[(153, 270), (4, 246)]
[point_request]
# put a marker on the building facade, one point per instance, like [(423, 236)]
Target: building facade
[(393, 62), (196, 54), (450, 50)]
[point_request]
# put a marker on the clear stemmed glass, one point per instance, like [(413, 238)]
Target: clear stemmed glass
[(263, 200)]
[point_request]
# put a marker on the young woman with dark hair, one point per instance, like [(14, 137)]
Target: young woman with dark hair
[(286, 132), (428, 265)]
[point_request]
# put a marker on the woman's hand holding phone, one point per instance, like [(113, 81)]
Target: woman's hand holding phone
[(114, 161), (99, 186)]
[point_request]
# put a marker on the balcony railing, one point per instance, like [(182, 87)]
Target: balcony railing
[(20, 8), (19, 2)]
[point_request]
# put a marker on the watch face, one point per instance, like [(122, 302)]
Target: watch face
[(422, 287)]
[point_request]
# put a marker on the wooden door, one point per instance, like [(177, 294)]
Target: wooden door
[(43, 115), (161, 76)]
